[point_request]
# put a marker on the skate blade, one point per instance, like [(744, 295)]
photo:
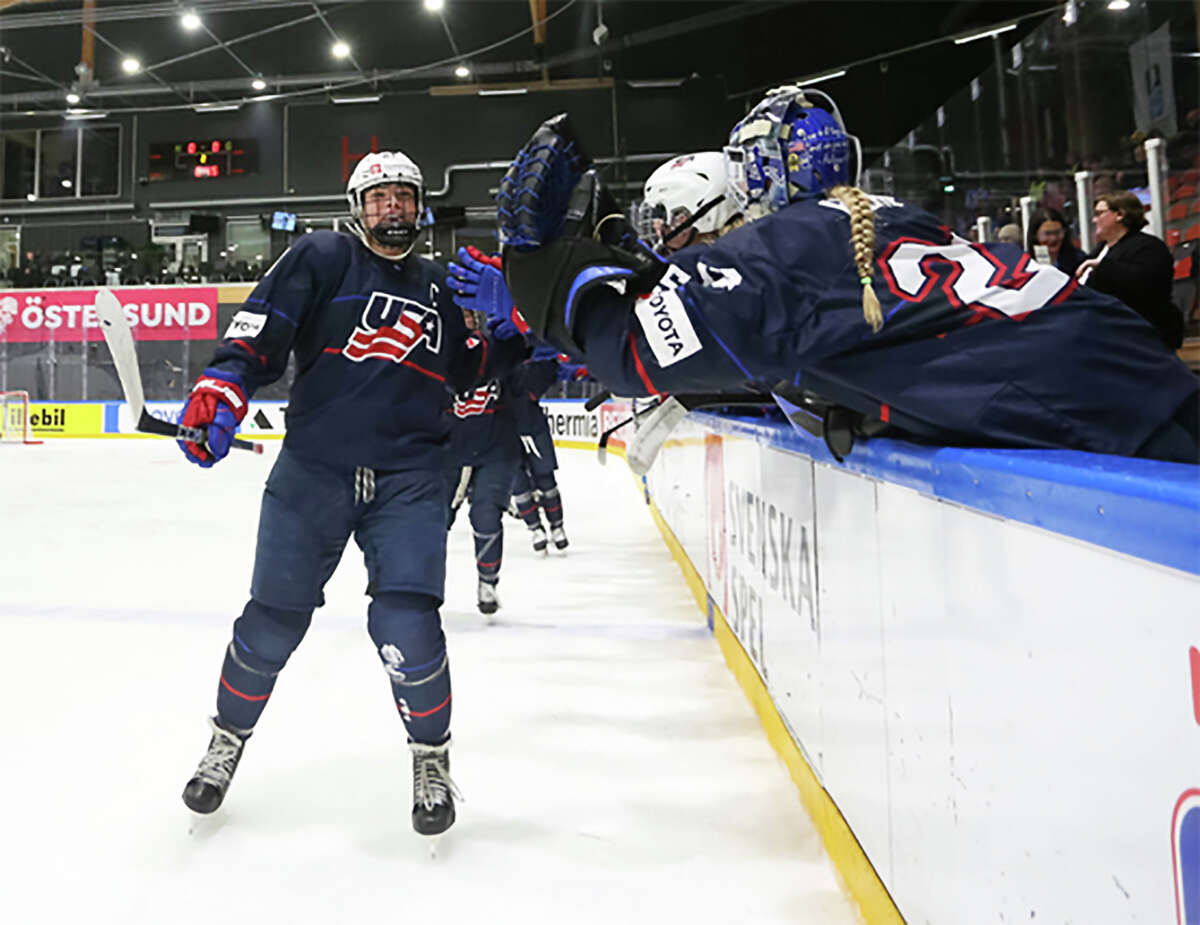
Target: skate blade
[(202, 826), (433, 846)]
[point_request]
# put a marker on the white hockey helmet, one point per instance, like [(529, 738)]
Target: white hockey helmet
[(373, 170), (687, 186)]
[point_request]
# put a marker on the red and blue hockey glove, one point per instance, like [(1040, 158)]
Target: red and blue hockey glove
[(570, 372), (217, 402), (477, 282)]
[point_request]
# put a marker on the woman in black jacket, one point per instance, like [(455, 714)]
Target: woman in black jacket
[(1134, 266), (1048, 228)]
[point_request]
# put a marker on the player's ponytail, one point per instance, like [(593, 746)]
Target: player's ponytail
[(862, 239)]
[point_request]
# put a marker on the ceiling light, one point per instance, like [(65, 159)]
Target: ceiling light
[(813, 80), (84, 114), (516, 91), (984, 35), (656, 84), (131, 65), (190, 21), (217, 107), (72, 97), (32, 197), (66, 184), (361, 98), (435, 6), (340, 50), (1118, 5), (258, 83), (462, 71)]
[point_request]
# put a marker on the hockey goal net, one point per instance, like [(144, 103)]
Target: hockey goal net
[(15, 426)]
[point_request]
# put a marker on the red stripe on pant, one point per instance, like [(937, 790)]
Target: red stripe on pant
[(415, 715), (233, 690)]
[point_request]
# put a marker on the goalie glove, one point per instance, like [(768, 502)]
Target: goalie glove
[(532, 203), (217, 403)]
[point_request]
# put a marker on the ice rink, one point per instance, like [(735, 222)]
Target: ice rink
[(612, 769)]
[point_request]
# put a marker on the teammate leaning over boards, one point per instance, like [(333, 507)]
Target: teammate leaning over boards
[(689, 192), (376, 341), (948, 341)]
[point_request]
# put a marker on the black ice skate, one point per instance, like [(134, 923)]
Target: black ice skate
[(433, 790), (559, 536), (487, 600), (537, 536), (205, 791)]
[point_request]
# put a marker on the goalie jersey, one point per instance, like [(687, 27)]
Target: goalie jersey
[(379, 349), (979, 347)]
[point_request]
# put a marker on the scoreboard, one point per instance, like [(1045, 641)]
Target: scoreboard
[(211, 159)]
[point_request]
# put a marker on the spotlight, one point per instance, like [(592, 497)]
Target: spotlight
[(190, 21), (1118, 6), (435, 6), (66, 184), (462, 71), (72, 98), (131, 65), (340, 50), (258, 84)]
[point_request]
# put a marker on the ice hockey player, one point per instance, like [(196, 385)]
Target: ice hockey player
[(377, 341), (485, 452), (866, 301), (535, 489), (687, 190)]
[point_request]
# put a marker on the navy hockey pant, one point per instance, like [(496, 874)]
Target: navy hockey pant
[(488, 496), (309, 511), (536, 471)]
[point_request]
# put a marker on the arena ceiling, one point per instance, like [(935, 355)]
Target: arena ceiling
[(234, 50)]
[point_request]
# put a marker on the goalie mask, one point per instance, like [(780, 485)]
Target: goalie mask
[(788, 148), (691, 187), (377, 169)]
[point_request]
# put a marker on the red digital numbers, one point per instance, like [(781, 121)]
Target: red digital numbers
[(216, 147), (201, 171), (191, 147)]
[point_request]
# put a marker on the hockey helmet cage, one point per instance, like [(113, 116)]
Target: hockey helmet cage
[(789, 148), (378, 168), (686, 187)]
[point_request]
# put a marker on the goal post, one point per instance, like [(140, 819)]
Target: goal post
[(15, 426)]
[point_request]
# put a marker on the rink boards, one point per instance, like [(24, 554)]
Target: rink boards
[(981, 667), (984, 662)]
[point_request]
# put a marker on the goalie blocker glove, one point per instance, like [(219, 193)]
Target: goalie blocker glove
[(562, 234), (218, 404)]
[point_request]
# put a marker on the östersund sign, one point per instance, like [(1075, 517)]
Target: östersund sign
[(175, 313)]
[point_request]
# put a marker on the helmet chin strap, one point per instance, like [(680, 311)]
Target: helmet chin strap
[(373, 241)]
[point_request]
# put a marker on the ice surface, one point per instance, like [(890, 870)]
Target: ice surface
[(613, 770)]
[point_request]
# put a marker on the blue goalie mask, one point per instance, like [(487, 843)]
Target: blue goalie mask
[(788, 148)]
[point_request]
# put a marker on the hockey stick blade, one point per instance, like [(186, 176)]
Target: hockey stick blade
[(596, 401), (118, 336), (653, 433)]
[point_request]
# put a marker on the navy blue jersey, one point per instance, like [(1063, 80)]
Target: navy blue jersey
[(528, 383), (379, 347), (483, 427), (979, 346)]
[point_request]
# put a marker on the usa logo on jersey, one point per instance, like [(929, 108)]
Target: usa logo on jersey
[(477, 401), (391, 327), (1185, 853)]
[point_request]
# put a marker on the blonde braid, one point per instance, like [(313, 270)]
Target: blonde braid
[(862, 239)]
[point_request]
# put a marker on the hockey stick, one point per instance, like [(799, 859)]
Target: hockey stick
[(596, 401), (659, 421), (119, 338)]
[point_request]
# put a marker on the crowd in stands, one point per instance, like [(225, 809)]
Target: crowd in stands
[(87, 269)]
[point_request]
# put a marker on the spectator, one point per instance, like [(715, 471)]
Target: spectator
[(1133, 266), (1049, 229), (1009, 234)]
